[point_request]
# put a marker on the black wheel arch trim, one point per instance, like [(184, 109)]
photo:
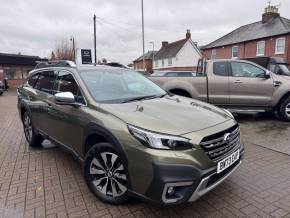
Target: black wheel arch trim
[(96, 129)]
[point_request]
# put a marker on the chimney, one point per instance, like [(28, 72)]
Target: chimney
[(164, 43), (188, 35), (271, 12)]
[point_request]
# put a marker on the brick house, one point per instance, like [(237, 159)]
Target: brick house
[(16, 67), (138, 63), (268, 37), (179, 55)]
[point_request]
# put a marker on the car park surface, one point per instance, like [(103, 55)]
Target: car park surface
[(48, 182)]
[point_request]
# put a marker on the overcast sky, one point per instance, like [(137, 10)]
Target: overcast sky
[(34, 27)]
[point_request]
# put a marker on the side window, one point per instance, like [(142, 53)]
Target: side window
[(45, 81), (65, 82), (32, 79), (220, 69), (246, 70)]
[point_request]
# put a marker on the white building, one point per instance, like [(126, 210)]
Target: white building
[(180, 55)]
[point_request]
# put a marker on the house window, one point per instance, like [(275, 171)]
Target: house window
[(261, 48), (235, 52), (156, 63), (162, 62), (169, 61), (213, 54), (280, 46)]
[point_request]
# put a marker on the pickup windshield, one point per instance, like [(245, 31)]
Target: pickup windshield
[(119, 85)]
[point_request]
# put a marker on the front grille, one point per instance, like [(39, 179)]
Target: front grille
[(216, 147)]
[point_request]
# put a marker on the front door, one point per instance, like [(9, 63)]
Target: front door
[(68, 121), (248, 85)]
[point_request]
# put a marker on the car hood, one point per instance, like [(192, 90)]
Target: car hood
[(170, 115)]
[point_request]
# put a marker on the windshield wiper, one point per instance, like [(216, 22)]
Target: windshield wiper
[(143, 98)]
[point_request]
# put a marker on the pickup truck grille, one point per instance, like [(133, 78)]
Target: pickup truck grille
[(219, 145)]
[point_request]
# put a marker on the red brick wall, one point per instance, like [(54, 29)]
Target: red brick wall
[(15, 82), (138, 65), (249, 49)]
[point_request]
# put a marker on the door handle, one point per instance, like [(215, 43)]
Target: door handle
[(238, 81)]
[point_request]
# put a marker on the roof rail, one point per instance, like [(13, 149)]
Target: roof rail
[(58, 63)]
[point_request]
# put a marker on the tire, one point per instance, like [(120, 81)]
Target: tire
[(106, 174), (284, 109), (33, 139)]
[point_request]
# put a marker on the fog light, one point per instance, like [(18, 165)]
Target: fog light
[(170, 190)]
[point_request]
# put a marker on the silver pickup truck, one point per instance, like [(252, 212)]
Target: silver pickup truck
[(237, 85)]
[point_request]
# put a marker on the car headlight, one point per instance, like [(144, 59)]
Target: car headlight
[(159, 140), (229, 113)]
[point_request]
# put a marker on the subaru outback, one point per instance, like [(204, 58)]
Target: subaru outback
[(133, 138)]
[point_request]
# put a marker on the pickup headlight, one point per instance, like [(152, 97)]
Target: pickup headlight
[(159, 140)]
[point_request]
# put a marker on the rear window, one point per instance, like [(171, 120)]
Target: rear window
[(220, 68)]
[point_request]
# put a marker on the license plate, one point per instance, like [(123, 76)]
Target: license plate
[(228, 161)]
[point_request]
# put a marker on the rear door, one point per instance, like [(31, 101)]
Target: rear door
[(218, 84), (43, 83), (248, 85)]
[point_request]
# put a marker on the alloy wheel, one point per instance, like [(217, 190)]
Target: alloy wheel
[(27, 127), (287, 110), (108, 174)]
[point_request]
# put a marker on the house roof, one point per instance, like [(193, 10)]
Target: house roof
[(18, 59), (170, 50), (257, 30), (148, 55)]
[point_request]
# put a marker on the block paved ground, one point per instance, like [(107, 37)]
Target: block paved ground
[(49, 183)]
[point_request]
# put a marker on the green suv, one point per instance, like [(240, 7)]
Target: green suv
[(133, 138)]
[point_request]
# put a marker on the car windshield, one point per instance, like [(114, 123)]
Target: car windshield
[(119, 85), (285, 69)]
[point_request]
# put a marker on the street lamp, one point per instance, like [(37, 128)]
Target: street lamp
[(152, 54)]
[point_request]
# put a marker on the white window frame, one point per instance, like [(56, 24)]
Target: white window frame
[(162, 62), (261, 45), (276, 47), (213, 54), (169, 61), (236, 46)]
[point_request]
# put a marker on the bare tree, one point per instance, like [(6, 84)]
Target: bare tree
[(63, 51)]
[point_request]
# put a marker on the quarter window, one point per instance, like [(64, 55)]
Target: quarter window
[(280, 46), (246, 70), (235, 52), (32, 79), (220, 68), (261, 48), (45, 81)]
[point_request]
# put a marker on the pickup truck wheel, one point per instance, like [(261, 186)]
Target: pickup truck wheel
[(284, 110), (33, 139), (106, 174)]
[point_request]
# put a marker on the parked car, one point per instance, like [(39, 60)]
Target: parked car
[(173, 73), (133, 138), (277, 65), (237, 85), (2, 87)]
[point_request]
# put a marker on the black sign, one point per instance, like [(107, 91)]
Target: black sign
[(86, 56)]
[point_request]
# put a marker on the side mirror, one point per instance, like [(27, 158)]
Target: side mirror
[(65, 98), (267, 75)]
